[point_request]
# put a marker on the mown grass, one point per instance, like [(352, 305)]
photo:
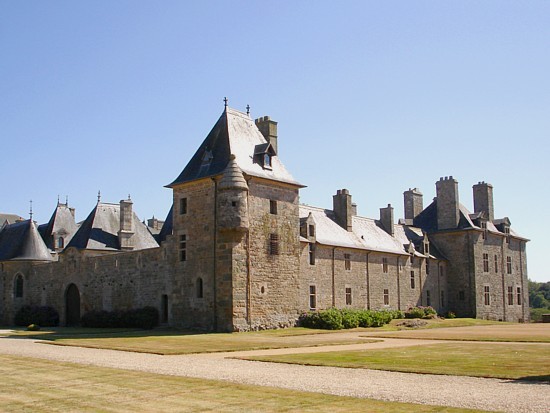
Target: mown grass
[(507, 361), (170, 342), (35, 385), (505, 332)]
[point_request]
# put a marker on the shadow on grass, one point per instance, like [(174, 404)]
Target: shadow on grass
[(57, 333), (544, 379)]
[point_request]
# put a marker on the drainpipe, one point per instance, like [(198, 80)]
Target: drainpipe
[(333, 275), (215, 304), (368, 281), (503, 284), (248, 269), (398, 286)]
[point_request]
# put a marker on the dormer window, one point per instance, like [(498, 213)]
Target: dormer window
[(263, 155), (507, 232), (483, 226)]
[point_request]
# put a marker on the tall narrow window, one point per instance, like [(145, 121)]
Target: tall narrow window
[(442, 298), (509, 265), (485, 262), (311, 230), (199, 288), (348, 296), (428, 298), (347, 261), (183, 247), (19, 286), (427, 266), (183, 206), (385, 265), (274, 244), (496, 263), (412, 280), (518, 293), (507, 232), (510, 295), (487, 295), (273, 207), (386, 296), (312, 254), (164, 309), (484, 228), (60, 242), (312, 297)]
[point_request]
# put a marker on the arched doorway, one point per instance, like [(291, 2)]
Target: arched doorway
[(72, 305)]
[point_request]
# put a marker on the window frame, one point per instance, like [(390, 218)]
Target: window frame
[(273, 244), (487, 295), (349, 298), (182, 247), (347, 261), (312, 297), (183, 206)]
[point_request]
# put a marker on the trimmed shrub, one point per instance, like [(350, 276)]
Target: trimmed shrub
[(146, 318), (43, 316), (33, 327), (337, 319), (421, 312)]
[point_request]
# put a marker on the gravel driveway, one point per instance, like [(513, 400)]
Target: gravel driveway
[(488, 394)]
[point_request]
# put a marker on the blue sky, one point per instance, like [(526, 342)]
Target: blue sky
[(375, 97)]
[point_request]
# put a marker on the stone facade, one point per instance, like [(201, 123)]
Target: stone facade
[(238, 252)]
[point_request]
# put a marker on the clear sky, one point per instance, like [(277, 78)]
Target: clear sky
[(375, 97)]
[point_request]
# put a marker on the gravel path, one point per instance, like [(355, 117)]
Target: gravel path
[(488, 394)]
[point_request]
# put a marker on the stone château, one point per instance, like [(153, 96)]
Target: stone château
[(238, 252)]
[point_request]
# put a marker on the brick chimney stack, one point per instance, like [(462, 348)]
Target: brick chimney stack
[(448, 213), (386, 219), (483, 199), (413, 203), (343, 209), (268, 129), (126, 225)]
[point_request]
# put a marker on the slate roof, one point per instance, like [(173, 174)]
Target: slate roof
[(234, 133), (166, 228), (9, 219), (61, 223), (367, 233), (21, 241), (99, 231)]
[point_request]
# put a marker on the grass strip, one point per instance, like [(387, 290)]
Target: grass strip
[(517, 361), (37, 385)]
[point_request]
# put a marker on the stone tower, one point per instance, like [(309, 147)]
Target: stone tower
[(448, 213)]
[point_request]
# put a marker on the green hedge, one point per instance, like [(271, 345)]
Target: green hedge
[(421, 312), (338, 319), (147, 318), (43, 316)]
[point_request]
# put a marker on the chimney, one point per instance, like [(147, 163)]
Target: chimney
[(268, 128), (483, 199), (126, 225), (413, 203), (448, 213), (343, 209), (354, 209), (72, 211), (386, 219)]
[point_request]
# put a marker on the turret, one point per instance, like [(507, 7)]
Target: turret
[(232, 199), (448, 213)]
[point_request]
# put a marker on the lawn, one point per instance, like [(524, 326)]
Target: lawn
[(509, 361), (36, 385), (477, 332), (170, 342)]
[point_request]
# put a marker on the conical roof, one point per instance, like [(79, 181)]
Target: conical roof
[(21, 241), (233, 176)]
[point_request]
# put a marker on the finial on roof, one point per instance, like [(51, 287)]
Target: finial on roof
[(225, 100), (66, 200), (129, 197), (57, 199), (98, 196), (30, 212), (248, 109)]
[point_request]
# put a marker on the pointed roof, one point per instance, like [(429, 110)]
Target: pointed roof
[(235, 133), (166, 228), (99, 231), (6, 219), (21, 241), (233, 176), (61, 223)]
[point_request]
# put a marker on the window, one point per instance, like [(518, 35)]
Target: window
[(507, 232), (274, 244), (19, 286), (442, 298), (461, 295), (484, 228), (385, 265), (428, 298), (60, 242), (267, 160), (199, 288), (496, 263), (312, 254), (311, 230), (273, 207), (164, 309), (183, 247), (312, 297), (183, 206), (441, 273), (427, 248), (510, 295), (412, 279), (386, 297), (487, 295), (485, 262), (348, 296), (518, 294), (509, 265), (427, 266), (347, 261)]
